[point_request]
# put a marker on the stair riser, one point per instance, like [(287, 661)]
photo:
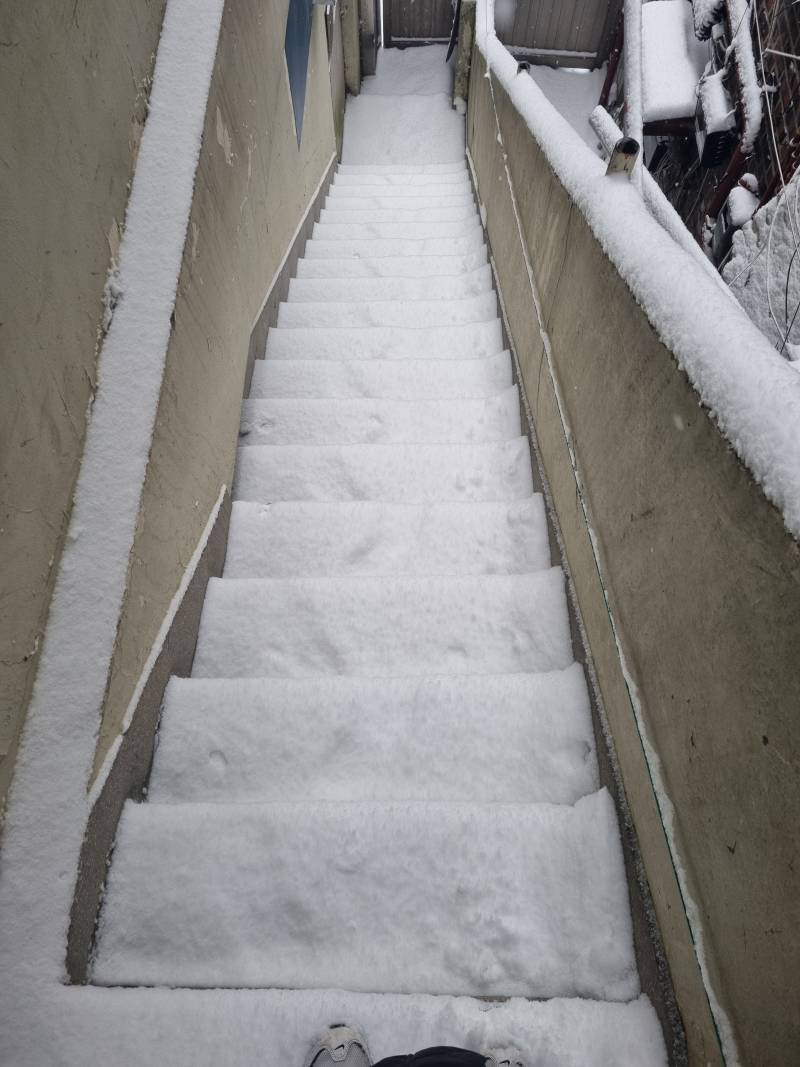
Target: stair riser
[(411, 267), (360, 290), (357, 422), (410, 474), (395, 313), (406, 379), (385, 343), (366, 539), (377, 248), (362, 231)]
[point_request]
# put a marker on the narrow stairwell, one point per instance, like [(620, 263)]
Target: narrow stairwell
[(381, 775)]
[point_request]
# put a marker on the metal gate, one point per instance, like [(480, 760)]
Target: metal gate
[(408, 22)]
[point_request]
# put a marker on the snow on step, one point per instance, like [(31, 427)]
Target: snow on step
[(393, 184), (300, 628), (402, 171), (403, 214), (473, 899), (393, 266), (354, 422), (364, 231), (399, 313), (375, 248), (369, 289), (406, 379), (349, 198), (477, 340), (412, 474), (301, 539), (376, 739)]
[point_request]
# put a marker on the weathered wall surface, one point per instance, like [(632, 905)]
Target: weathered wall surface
[(74, 82), (252, 189), (703, 583)]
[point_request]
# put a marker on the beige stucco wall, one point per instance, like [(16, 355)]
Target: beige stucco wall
[(74, 81), (252, 188), (704, 585)]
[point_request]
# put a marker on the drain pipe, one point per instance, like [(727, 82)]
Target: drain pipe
[(632, 66)]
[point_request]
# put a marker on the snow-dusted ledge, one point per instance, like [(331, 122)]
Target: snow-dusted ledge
[(48, 805), (752, 393)]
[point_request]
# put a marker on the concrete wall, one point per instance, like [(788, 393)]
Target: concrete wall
[(252, 189), (702, 581), (74, 81)]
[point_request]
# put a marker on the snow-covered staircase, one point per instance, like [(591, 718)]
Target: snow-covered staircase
[(381, 775)]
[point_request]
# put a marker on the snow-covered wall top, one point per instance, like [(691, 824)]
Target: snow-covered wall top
[(751, 391)]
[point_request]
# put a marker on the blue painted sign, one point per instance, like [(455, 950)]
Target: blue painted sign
[(296, 46)]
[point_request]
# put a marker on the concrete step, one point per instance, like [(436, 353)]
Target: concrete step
[(395, 313), (376, 739), (330, 247), (383, 626), (404, 474), (400, 379), (362, 231), (362, 538), (402, 170), (351, 213), (191, 884), (366, 421), (359, 198), (411, 267), (353, 341), (367, 290)]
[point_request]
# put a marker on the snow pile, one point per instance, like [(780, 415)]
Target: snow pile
[(410, 72), (750, 390), (741, 16), (743, 200), (672, 61), (764, 268), (706, 13), (718, 110)]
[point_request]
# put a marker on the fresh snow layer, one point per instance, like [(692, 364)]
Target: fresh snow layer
[(408, 171), (406, 379), (372, 897), (396, 182), (346, 422), (396, 267), (290, 540), (458, 341), (411, 474), (387, 626), (376, 247), (400, 231), (574, 93), (673, 60), (751, 391), (403, 213), (352, 289), (395, 313), (48, 808), (399, 198), (410, 72), (401, 130), (275, 1027), (522, 738)]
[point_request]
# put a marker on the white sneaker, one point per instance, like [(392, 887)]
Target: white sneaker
[(340, 1045)]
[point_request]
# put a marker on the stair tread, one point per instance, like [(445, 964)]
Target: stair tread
[(363, 231), (387, 626), (395, 313), (402, 170), (358, 196), (368, 421), (365, 538), (400, 473), (322, 247), (393, 266), (314, 880), (367, 739), (344, 339), (409, 379), (343, 215), (350, 289)]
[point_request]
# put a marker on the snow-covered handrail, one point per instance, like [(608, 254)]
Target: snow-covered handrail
[(752, 393)]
